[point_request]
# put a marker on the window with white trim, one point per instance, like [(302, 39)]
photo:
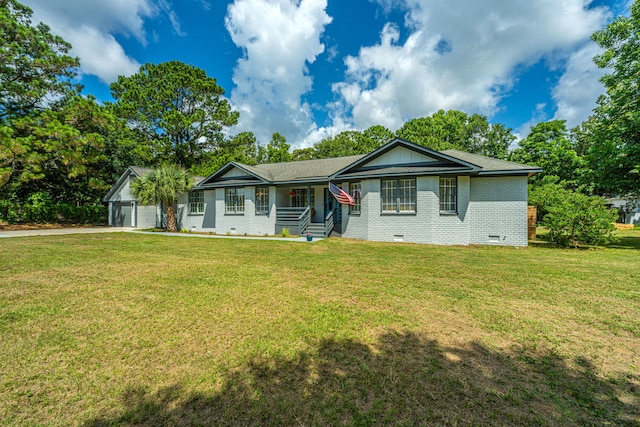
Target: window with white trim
[(196, 203), (262, 200), (234, 201), (355, 191), (398, 195), (448, 195)]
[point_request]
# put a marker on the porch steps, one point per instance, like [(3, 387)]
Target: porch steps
[(317, 229)]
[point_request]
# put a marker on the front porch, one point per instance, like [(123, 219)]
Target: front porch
[(298, 221), (310, 209)]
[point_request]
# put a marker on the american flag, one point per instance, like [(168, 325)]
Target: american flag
[(342, 197)]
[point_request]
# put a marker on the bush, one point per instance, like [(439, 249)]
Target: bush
[(574, 219), (285, 232), (39, 208)]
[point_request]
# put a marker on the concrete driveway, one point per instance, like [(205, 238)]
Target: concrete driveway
[(60, 231)]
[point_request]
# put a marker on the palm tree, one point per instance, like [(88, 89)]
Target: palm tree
[(164, 184)]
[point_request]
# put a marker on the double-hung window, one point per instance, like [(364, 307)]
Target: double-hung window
[(234, 201), (448, 195), (299, 198), (398, 195), (262, 200), (196, 203), (355, 190)]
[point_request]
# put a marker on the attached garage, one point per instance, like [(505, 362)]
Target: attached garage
[(124, 210), (121, 214)]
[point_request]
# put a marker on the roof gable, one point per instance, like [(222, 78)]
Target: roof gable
[(400, 157), (131, 170), (234, 174), (303, 171)]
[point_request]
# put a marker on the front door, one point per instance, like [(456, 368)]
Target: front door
[(331, 204)]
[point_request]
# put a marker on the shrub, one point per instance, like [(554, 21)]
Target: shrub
[(574, 219), (285, 232), (39, 208)]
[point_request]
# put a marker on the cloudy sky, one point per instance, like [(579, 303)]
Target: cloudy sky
[(312, 68)]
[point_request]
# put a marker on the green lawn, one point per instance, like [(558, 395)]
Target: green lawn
[(122, 329)]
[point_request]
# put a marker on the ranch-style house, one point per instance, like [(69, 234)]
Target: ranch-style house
[(401, 192)]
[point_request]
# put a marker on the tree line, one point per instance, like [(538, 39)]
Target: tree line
[(60, 151)]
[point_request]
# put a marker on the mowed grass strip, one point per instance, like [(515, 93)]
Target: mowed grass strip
[(122, 329)]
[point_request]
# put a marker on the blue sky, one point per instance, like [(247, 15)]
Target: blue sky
[(312, 68)]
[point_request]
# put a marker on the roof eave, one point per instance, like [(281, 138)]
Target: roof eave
[(514, 172), (119, 182), (404, 173)]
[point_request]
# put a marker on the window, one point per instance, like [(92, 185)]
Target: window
[(398, 195), (355, 190), (196, 203), (262, 200), (234, 201), (299, 198), (448, 195)]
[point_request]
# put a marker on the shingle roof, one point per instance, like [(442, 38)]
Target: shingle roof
[(356, 167), (303, 170), (140, 171), (489, 164)]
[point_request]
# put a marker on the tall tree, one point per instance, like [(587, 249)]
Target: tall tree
[(34, 63), (243, 148), (34, 70), (549, 145), (164, 184), (56, 150), (278, 149), (351, 142), (345, 143), (307, 153), (615, 127), (456, 130), (177, 107)]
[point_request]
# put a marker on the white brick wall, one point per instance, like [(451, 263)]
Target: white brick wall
[(486, 207), (498, 208), (247, 223)]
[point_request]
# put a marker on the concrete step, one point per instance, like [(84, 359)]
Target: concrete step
[(317, 229)]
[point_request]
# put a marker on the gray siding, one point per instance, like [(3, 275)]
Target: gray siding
[(198, 222), (147, 216), (121, 214)]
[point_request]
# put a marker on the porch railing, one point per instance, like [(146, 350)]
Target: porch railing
[(328, 223), (296, 220)]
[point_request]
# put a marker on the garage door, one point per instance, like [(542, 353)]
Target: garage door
[(121, 214)]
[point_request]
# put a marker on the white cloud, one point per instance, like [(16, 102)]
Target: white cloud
[(579, 87), (90, 27), (458, 57), (279, 38)]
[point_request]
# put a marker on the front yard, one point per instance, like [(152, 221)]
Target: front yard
[(121, 329)]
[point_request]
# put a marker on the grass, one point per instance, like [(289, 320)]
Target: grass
[(124, 329)]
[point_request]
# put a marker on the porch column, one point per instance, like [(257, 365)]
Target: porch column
[(309, 197)]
